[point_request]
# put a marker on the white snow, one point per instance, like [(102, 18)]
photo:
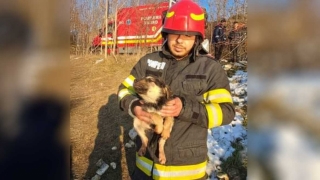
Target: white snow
[(113, 165), (133, 133), (220, 138), (102, 169)]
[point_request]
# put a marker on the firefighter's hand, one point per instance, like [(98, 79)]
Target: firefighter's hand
[(142, 115), (137, 111), (172, 108)]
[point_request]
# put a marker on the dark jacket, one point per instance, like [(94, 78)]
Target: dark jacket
[(218, 33), (235, 36), (207, 103)]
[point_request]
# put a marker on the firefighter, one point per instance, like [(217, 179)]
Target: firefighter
[(219, 38), (202, 98)]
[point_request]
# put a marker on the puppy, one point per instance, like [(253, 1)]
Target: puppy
[(154, 94)]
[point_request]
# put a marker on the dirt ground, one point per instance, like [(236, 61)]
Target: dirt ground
[(96, 123)]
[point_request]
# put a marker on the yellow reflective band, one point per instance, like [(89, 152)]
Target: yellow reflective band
[(214, 115), (169, 14), (161, 172), (217, 96), (133, 41), (123, 92), (197, 17), (144, 164), (179, 172), (128, 82)]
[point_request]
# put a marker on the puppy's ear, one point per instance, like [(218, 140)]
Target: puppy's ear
[(167, 92)]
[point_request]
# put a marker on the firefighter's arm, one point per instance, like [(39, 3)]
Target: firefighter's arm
[(126, 93), (216, 109)]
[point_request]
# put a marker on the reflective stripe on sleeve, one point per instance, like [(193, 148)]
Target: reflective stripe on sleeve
[(217, 96), (214, 115), (128, 82), (161, 172), (123, 92)]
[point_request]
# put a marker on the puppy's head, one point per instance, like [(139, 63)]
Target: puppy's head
[(151, 89)]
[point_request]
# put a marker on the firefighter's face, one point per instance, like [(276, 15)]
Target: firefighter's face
[(180, 45)]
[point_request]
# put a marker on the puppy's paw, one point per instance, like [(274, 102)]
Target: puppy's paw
[(165, 134), (142, 151), (162, 158), (158, 129)]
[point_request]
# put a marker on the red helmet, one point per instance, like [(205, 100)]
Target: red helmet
[(185, 17)]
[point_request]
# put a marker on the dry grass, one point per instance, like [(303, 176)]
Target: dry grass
[(96, 123)]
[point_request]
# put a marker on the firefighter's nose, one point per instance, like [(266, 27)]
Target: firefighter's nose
[(179, 38)]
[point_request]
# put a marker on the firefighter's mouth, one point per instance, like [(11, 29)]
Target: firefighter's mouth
[(178, 48)]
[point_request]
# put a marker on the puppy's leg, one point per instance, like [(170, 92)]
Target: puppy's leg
[(167, 127), (141, 127), (162, 156), (158, 122)]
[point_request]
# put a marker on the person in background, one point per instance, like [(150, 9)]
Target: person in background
[(201, 100), (219, 38), (235, 38)]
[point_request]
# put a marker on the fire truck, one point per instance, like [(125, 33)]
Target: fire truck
[(135, 28)]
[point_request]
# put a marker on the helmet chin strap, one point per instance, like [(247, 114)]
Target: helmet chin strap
[(164, 42)]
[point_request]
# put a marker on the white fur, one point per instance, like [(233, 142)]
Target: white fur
[(153, 93)]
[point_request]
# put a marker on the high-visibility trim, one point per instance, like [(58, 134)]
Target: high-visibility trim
[(123, 92), (217, 96), (214, 115), (144, 164), (179, 172), (142, 40), (135, 39), (128, 82), (161, 172), (142, 36)]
